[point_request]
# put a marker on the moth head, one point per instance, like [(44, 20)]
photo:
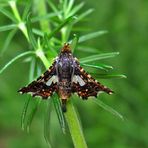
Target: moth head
[(66, 48)]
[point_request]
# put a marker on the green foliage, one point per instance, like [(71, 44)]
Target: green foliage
[(108, 108), (98, 57), (44, 46), (15, 58)]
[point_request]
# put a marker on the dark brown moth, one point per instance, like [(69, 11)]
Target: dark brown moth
[(65, 77)]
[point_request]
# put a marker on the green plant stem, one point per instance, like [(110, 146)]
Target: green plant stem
[(21, 24), (74, 126), (41, 6), (15, 10), (43, 58)]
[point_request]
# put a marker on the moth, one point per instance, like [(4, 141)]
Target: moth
[(65, 77)]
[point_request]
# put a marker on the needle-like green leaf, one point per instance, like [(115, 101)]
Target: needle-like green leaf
[(76, 9), (33, 111), (64, 5), (24, 113), (92, 35), (64, 23), (44, 17), (53, 52), (74, 42), (35, 106), (30, 33), (8, 40), (98, 57), (54, 8), (38, 32), (69, 7), (107, 108), (28, 5), (16, 58), (83, 15), (47, 123), (88, 49), (98, 66), (8, 14), (8, 27), (61, 118), (110, 76)]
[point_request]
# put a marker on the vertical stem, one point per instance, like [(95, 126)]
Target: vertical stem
[(41, 10), (74, 126), (12, 4), (23, 28), (21, 24), (43, 58)]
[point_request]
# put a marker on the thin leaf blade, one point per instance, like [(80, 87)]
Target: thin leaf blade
[(30, 33), (8, 14), (69, 7), (7, 27), (108, 108), (47, 123), (8, 40), (61, 118), (16, 58), (83, 15), (74, 42), (43, 17), (54, 8), (92, 35), (110, 76), (99, 57), (76, 9), (65, 22), (98, 66), (28, 5), (33, 111), (24, 113)]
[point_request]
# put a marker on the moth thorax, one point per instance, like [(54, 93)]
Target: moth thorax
[(66, 48)]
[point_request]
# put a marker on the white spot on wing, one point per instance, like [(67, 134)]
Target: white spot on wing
[(78, 79), (53, 79), (74, 79)]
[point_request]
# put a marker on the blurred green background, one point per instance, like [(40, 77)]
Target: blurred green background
[(127, 23)]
